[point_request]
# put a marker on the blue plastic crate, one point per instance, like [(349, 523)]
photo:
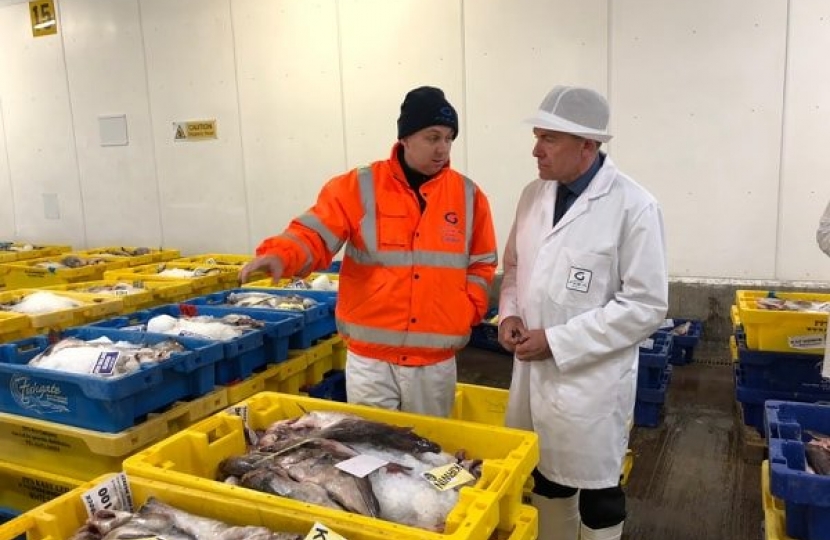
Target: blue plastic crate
[(486, 335), (8, 514), (332, 387), (649, 404), (806, 496), (653, 361), (318, 321), (102, 404), (243, 356), (777, 371), (683, 346), (752, 400)]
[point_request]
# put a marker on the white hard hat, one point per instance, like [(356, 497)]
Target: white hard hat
[(579, 111)]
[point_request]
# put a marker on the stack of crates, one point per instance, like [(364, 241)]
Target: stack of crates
[(796, 500), (778, 355), (11, 252), (61, 429), (653, 378)]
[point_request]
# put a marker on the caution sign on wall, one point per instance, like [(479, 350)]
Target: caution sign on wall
[(197, 130), (44, 19)]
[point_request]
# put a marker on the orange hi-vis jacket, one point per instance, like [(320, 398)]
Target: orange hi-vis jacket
[(412, 284)]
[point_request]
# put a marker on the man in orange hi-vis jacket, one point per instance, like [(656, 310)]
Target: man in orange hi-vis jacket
[(420, 259)]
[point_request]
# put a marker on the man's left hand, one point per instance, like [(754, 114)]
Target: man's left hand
[(534, 348)]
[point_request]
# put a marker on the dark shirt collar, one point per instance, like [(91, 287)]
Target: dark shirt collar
[(580, 184), (413, 177)]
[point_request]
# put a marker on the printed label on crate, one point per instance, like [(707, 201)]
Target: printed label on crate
[(361, 465), (647, 344), (448, 476), (121, 292), (112, 494), (825, 367), (42, 398), (811, 341), (105, 363), (667, 323), (321, 532), (40, 490)]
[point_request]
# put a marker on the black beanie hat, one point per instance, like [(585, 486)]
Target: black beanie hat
[(423, 107)]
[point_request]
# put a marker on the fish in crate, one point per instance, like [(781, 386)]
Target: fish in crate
[(298, 458)]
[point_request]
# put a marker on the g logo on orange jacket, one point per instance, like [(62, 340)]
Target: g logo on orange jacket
[(451, 217)]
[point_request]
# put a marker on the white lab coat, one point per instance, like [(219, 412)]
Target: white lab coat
[(598, 284), (823, 232)]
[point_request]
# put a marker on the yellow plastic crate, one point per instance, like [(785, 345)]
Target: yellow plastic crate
[(27, 274), (154, 255), (153, 294), (339, 349), (481, 404), (132, 301), (231, 259), (735, 317), (7, 254), (190, 458), (782, 331), (223, 277), (284, 284), (24, 488), (319, 360), (775, 524), (286, 377), (733, 348), (84, 454), (304, 367), (526, 527), (94, 307), (14, 326), (62, 517)]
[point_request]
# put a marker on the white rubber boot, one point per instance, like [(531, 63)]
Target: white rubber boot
[(558, 518), (609, 533)]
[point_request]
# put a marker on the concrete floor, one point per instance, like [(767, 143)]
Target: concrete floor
[(689, 481)]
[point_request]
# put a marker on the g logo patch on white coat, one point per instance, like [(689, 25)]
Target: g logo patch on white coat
[(579, 280)]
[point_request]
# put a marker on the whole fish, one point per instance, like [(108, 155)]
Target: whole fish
[(275, 480), (272, 301), (347, 428), (156, 519)]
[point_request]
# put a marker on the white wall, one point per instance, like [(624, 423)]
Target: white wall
[(718, 108)]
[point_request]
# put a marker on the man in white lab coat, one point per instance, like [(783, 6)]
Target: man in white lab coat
[(585, 281)]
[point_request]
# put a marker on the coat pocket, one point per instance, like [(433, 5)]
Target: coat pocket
[(582, 279)]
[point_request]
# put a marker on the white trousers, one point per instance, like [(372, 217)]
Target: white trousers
[(419, 389)]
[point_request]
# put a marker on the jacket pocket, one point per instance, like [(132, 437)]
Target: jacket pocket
[(582, 279), (394, 230)]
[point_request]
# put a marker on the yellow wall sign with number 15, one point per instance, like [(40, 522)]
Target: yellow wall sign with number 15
[(44, 18)]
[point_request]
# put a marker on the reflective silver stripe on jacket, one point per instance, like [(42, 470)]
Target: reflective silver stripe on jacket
[(368, 228), (395, 338), (333, 243), (479, 281), (409, 258), (309, 259)]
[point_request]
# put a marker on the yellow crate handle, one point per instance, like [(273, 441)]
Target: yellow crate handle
[(19, 526)]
